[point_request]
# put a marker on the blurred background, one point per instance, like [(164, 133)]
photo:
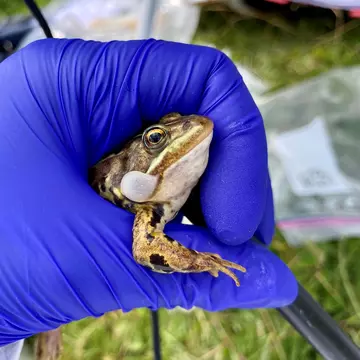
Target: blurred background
[(300, 62)]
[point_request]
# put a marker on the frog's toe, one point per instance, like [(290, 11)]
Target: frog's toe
[(219, 264), (212, 255), (228, 272), (230, 264), (214, 272), (224, 263)]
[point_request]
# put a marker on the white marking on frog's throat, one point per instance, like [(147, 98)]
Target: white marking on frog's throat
[(137, 186), (181, 177)]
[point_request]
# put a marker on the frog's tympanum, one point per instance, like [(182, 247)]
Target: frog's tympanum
[(152, 177)]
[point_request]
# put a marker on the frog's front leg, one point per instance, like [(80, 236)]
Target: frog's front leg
[(154, 249)]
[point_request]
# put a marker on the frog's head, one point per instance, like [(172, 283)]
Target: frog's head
[(168, 158), (174, 138)]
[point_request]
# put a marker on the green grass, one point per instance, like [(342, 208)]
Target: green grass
[(282, 57), (10, 7), (330, 271)]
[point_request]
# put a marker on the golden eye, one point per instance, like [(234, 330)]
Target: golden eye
[(155, 137)]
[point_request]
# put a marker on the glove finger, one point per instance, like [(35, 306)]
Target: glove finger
[(235, 185), (266, 229)]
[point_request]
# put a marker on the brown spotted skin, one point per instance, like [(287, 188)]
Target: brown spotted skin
[(151, 247), (158, 251)]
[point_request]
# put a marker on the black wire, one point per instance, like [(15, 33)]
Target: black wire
[(156, 334), (34, 9)]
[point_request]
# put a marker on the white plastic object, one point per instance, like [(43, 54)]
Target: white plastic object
[(332, 4), (106, 20), (313, 140)]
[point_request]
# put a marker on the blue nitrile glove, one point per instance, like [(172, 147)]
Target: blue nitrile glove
[(66, 252)]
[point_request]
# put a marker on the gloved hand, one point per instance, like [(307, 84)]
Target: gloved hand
[(65, 251)]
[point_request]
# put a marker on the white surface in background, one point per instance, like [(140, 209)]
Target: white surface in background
[(339, 4), (107, 20), (309, 160), (12, 351)]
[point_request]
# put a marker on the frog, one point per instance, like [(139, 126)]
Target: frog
[(152, 177)]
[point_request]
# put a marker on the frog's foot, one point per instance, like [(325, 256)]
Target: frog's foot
[(49, 345), (154, 249), (165, 255), (213, 263)]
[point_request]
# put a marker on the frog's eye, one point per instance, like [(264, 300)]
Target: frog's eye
[(155, 137)]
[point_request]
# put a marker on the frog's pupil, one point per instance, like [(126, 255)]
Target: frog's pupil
[(155, 137)]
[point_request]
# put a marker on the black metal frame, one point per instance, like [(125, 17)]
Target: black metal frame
[(319, 328), (304, 314)]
